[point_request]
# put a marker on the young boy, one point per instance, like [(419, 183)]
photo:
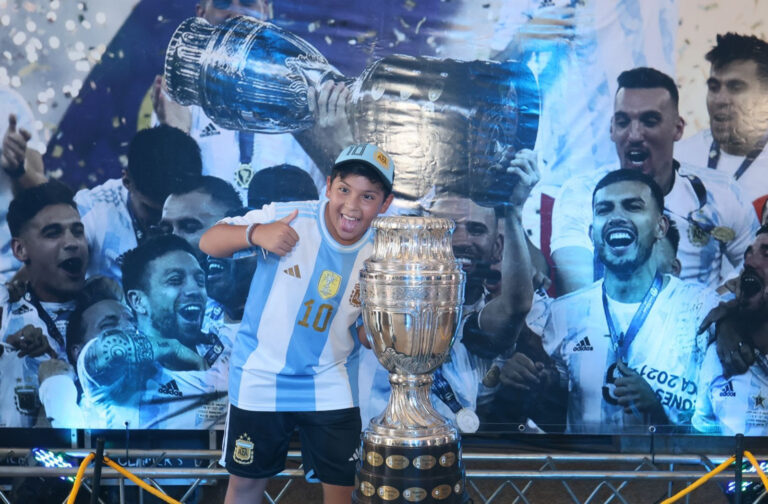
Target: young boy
[(294, 362)]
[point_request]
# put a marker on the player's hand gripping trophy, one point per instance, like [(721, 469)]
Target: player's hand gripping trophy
[(412, 290)]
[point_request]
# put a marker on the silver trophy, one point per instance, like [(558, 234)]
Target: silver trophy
[(412, 290), (441, 120)]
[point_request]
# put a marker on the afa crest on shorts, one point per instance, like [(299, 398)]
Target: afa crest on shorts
[(243, 453), (329, 284)]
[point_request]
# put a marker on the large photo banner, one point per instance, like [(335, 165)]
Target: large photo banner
[(602, 161)]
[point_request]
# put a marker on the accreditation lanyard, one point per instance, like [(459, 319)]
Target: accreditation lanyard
[(53, 331), (714, 156), (621, 342), (137, 230), (442, 389)]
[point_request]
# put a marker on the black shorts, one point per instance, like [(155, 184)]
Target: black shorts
[(256, 443)]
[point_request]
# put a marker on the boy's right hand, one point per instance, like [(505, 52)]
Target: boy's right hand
[(277, 237)]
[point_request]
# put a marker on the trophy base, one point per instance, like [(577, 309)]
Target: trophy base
[(394, 474)]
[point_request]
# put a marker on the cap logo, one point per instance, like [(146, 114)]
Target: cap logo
[(382, 159)]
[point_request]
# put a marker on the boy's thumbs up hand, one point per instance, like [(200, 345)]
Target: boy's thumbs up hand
[(289, 218), (277, 237)]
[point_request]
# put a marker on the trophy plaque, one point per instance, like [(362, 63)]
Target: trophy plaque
[(412, 291)]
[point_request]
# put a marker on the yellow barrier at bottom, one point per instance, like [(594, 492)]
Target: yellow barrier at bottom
[(696, 484), (117, 467)]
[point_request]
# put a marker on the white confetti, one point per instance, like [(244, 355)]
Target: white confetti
[(69, 25), (16, 81), (54, 42), (5, 19), (42, 108), (31, 26), (101, 18), (19, 38)]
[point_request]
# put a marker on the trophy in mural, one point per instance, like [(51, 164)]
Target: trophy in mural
[(412, 290), (439, 119)]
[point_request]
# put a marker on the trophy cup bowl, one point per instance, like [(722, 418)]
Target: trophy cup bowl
[(412, 290)]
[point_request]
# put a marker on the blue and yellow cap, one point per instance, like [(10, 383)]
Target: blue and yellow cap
[(372, 156)]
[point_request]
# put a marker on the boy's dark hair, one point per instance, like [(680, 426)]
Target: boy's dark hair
[(219, 190), (646, 78), (281, 183), (135, 261), (355, 168), (30, 202), (162, 159), (96, 289), (624, 175), (673, 235), (733, 47)]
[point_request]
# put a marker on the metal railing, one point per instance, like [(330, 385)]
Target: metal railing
[(486, 485)]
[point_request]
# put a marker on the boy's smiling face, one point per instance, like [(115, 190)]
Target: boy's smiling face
[(353, 203)]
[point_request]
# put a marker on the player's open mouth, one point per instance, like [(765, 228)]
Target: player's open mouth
[(215, 267), (619, 237), (191, 312), (751, 283), (637, 156), (73, 265)]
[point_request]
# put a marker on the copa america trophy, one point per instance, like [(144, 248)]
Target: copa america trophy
[(412, 290), (439, 119)]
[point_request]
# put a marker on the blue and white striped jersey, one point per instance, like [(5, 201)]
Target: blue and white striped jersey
[(297, 348), (108, 226)]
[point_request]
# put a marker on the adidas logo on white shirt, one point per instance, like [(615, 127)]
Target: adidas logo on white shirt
[(293, 271), (209, 130), (728, 390), (583, 346), (171, 388)]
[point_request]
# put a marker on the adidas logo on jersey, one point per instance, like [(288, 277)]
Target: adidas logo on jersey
[(171, 388), (209, 130), (728, 390), (22, 310), (293, 271), (583, 346)]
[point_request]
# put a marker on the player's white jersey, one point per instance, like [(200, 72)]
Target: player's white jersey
[(108, 226), (297, 349), (149, 396), (220, 152), (735, 405), (19, 402), (753, 182), (703, 258), (666, 352)]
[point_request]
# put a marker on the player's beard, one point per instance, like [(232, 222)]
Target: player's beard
[(624, 267)]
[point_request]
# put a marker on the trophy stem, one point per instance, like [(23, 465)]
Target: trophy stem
[(410, 418)]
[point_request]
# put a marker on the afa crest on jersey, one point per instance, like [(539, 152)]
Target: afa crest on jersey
[(329, 284)]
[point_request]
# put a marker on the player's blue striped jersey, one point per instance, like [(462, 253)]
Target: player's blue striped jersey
[(667, 352), (108, 226), (297, 348)]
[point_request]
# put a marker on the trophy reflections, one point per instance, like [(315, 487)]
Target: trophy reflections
[(412, 290)]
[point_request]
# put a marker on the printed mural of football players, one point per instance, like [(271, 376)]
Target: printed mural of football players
[(637, 325), (715, 221), (731, 404), (49, 239), (737, 103), (165, 373)]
